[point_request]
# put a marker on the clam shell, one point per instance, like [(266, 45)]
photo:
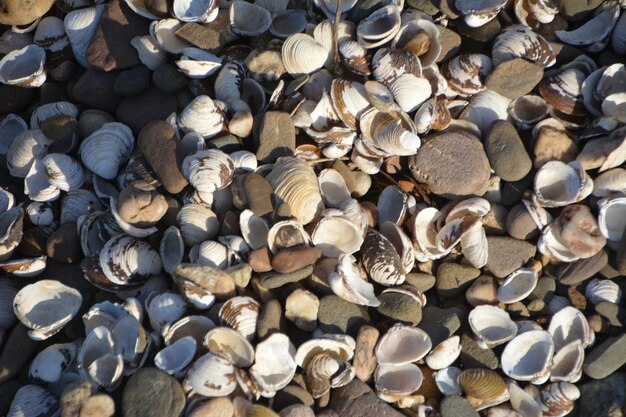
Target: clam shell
[(203, 116), (386, 135), (8, 290), (402, 345), (197, 223), (32, 400), (444, 354), (189, 326), (149, 52), (165, 308), (527, 111), (355, 57), (80, 202), (128, 261), (528, 356), (201, 284), (491, 325), (302, 54), (577, 229), (610, 219), (395, 381), (241, 313), (286, 234), (410, 91), (380, 259), (421, 37), (29, 267), (388, 64), (231, 345), (212, 376), (171, 249), (432, 114), (559, 398), (247, 19), (201, 11), (64, 172), (142, 8), (519, 41), (567, 363), (346, 282), (229, 82), (595, 33), (600, 290), (482, 384), (341, 346), (485, 108), (349, 100), (213, 254), (393, 205), (196, 63), (319, 372), (476, 13), (11, 223), (466, 74), (10, 127), (605, 153), (518, 285), (253, 229), (273, 6), (275, 363), (333, 187), (24, 67), (379, 27), (523, 402), (37, 185), (401, 242), (80, 25), (570, 324), (563, 90), (288, 23), (446, 381), (208, 171), (174, 358), (574, 184), (335, 235), (24, 149), (107, 149), (163, 32)]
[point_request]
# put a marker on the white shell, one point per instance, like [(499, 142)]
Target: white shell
[(52, 361), (202, 115), (208, 171), (477, 13), (253, 229), (387, 135), (559, 398), (611, 219), (24, 149), (11, 224), (212, 376), (164, 309), (523, 402), (336, 235), (197, 63), (346, 282), (150, 54), (410, 29), (610, 182), (247, 19), (29, 267), (163, 32), (77, 203), (379, 27), (32, 400), (410, 91), (37, 184), (519, 41), (64, 172), (302, 54), (197, 223), (10, 127), (485, 108), (567, 363), (333, 187), (241, 313), (80, 25), (518, 285), (125, 260), (444, 354), (446, 381), (24, 67), (528, 356), (201, 11), (275, 363), (570, 324), (230, 344), (491, 325), (396, 381), (171, 249), (107, 149), (97, 361), (402, 345), (341, 346), (194, 326), (574, 184), (174, 358), (229, 82), (600, 290)]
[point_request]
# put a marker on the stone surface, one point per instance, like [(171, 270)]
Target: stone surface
[(258, 194), (240, 273), (259, 260), (573, 273), (473, 356), (19, 12), (157, 142), (274, 135), (506, 152), (337, 315), (91, 120), (153, 104), (152, 393), (454, 279), (606, 358), (212, 37), (100, 405), (544, 290), (494, 221), (302, 307), (358, 400), (294, 258), (357, 184), (73, 397), (215, 407), (270, 319), (16, 352), (271, 280), (620, 256), (168, 79), (400, 307), (514, 78), (110, 47), (603, 398), (484, 290), (450, 43), (457, 406), (577, 9), (292, 394), (507, 254), (96, 89), (484, 33), (364, 362), (420, 280), (64, 245), (132, 81), (520, 224), (614, 313), (15, 99), (439, 323), (553, 145), (141, 205), (452, 164), (297, 410)]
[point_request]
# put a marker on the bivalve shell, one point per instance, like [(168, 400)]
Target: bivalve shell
[(32, 400), (482, 384), (212, 376), (600, 290), (24, 67), (248, 19), (402, 345), (380, 259), (202, 115), (570, 324), (201, 11), (196, 63), (491, 325), (518, 285), (573, 184), (477, 13), (26, 147), (128, 261), (396, 381), (241, 313), (528, 357), (388, 64), (52, 361), (444, 354), (558, 398), (107, 149), (80, 25), (567, 364), (379, 27), (11, 226), (302, 54), (519, 41), (347, 283), (336, 235), (230, 344), (174, 358), (275, 363), (64, 172), (594, 35), (208, 171), (197, 223), (165, 308)]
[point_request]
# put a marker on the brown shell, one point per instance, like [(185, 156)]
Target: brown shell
[(380, 259), (563, 91), (482, 384)]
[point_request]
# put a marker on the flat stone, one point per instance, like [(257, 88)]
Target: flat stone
[(19, 12), (450, 44), (294, 258), (456, 406), (215, 407), (520, 224), (270, 319), (358, 400), (484, 290), (421, 280), (258, 192), (63, 245), (16, 352), (99, 405), (15, 99), (73, 397), (337, 315), (141, 205), (614, 313), (274, 135), (297, 410), (96, 89), (212, 37), (573, 273), (473, 356), (152, 393), (452, 164), (553, 145), (132, 81), (507, 254), (506, 152), (454, 279), (439, 323), (291, 395), (514, 78), (364, 361), (400, 307), (271, 280), (606, 358), (157, 141), (259, 260), (168, 79), (603, 398), (153, 104), (110, 47)]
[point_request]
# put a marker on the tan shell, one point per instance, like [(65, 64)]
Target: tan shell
[(558, 398), (241, 313), (231, 345), (402, 345), (203, 116), (519, 41), (466, 74), (482, 384), (302, 54), (379, 27)]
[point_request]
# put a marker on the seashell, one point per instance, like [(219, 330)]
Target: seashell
[(402, 345), (24, 149), (523, 402), (550, 245), (346, 282), (410, 91), (386, 135), (380, 260), (401, 243), (64, 172), (478, 13), (196, 63), (163, 33), (248, 19), (208, 171), (518, 285), (563, 90), (11, 223), (95, 230), (393, 204), (174, 358), (193, 326), (231, 345), (241, 313), (288, 23), (528, 356), (491, 325), (24, 67), (202, 284), (171, 249), (558, 398), (213, 254), (128, 261), (446, 381), (444, 354), (482, 385), (519, 41), (355, 57), (32, 400), (333, 187), (45, 307), (595, 34), (389, 64), (130, 340), (50, 34), (8, 290), (335, 235), (201, 11), (610, 182), (212, 376), (29, 267), (569, 324), (393, 382), (485, 108), (601, 290), (229, 82), (203, 116), (574, 184), (421, 37), (324, 35), (610, 218), (432, 114), (425, 233), (10, 127), (577, 230), (275, 363), (7, 200), (80, 25), (379, 27), (605, 152), (165, 308), (349, 101), (567, 363), (245, 161), (197, 223), (302, 54), (527, 111), (77, 203), (107, 149), (319, 373), (37, 185), (329, 7), (52, 361), (466, 74), (253, 229)]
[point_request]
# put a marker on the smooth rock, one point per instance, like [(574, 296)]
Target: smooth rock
[(553, 145), (400, 307), (153, 104), (302, 307), (259, 259), (99, 405), (494, 221), (240, 273), (512, 192), (514, 78), (141, 205), (168, 79), (577, 9), (520, 224), (456, 406), (453, 279), (73, 397), (110, 47), (450, 43), (91, 120), (34, 240), (603, 398), (297, 410), (439, 323), (292, 394), (614, 313), (606, 358), (212, 37), (16, 352), (358, 400), (132, 81), (157, 141), (357, 184), (427, 6), (473, 356), (258, 194), (484, 290), (364, 361), (19, 12), (620, 256), (271, 280), (294, 258), (64, 245), (215, 407), (572, 273), (452, 164), (507, 254), (270, 319), (337, 315), (484, 33), (96, 89), (15, 99), (577, 298), (420, 280), (506, 152), (152, 393), (428, 388), (544, 290), (274, 135)]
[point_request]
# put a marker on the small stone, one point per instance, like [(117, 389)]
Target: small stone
[(620, 256), (453, 279), (157, 141), (484, 290), (16, 352), (132, 81), (358, 400), (34, 241), (96, 89), (274, 135), (427, 6), (259, 259), (19, 12), (241, 274), (400, 307), (357, 184), (110, 47), (270, 319), (153, 104), (603, 398), (452, 164), (553, 145), (506, 152), (73, 397), (215, 407), (573, 273), (518, 310), (15, 99), (294, 258), (212, 37), (100, 405), (512, 192), (292, 394), (606, 358), (64, 245), (514, 78), (271, 280), (577, 9), (301, 307), (140, 204), (507, 254), (450, 43), (152, 393), (577, 298), (364, 362), (520, 224), (484, 33), (536, 307), (439, 323), (544, 290), (473, 356), (337, 315), (91, 120), (421, 280), (266, 64), (168, 79), (258, 194), (494, 221), (614, 313), (457, 406), (297, 410)]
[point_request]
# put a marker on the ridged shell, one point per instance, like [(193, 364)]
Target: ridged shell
[(24, 149), (563, 90), (302, 54), (63, 171), (393, 382), (402, 345), (482, 384), (380, 259), (355, 57), (128, 261), (349, 100), (385, 135), (208, 171), (388, 64), (275, 363), (11, 226), (212, 376), (379, 27), (346, 282), (248, 19), (77, 203), (410, 91), (421, 37), (202, 284), (197, 223), (32, 400), (528, 356), (519, 41), (24, 67), (37, 185), (558, 398), (164, 309), (10, 127), (485, 108), (491, 325), (241, 313), (80, 25), (107, 149), (605, 152), (600, 290), (203, 116)]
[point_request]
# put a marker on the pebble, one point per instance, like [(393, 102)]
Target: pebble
[(168, 79), (450, 44), (18, 12), (362, 9), (258, 194), (544, 290), (212, 37), (577, 298), (484, 33), (63, 245), (292, 394), (157, 141), (577, 9), (440, 323), (358, 400), (110, 47), (91, 120), (506, 152), (132, 81), (421, 280), (16, 352), (15, 99), (606, 358), (337, 315), (614, 313), (457, 406), (7, 392), (271, 280), (473, 356), (520, 224), (573, 273), (100, 405), (259, 259), (141, 205), (484, 290), (453, 279), (152, 393), (241, 274), (96, 89), (270, 319), (603, 398), (400, 307), (357, 184), (364, 361), (512, 192), (274, 135), (507, 254), (73, 397), (553, 145), (514, 78), (297, 410), (427, 6), (153, 104), (302, 307), (494, 221), (294, 258), (215, 407), (452, 164)]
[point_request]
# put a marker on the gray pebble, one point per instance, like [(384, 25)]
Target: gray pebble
[(603, 398), (440, 323), (271, 280), (606, 358), (544, 290), (457, 406), (337, 315), (572, 273), (453, 279), (274, 135), (473, 356), (291, 395), (400, 307), (16, 352), (358, 400), (614, 313), (152, 393), (507, 254), (132, 81), (270, 319), (167, 78), (520, 224), (514, 78), (421, 281), (506, 152)]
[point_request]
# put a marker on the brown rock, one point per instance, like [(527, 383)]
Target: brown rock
[(553, 145), (573, 273), (16, 352), (302, 307), (20, 12), (364, 362), (294, 258), (212, 37), (514, 78), (64, 244), (33, 242), (450, 43), (157, 142), (259, 260), (520, 224), (73, 397), (258, 194), (507, 254), (270, 319), (141, 205), (110, 47), (99, 405), (153, 104), (274, 135), (95, 89), (483, 291), (428, 388)]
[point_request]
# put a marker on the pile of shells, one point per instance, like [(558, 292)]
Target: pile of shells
[(298, 209)]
